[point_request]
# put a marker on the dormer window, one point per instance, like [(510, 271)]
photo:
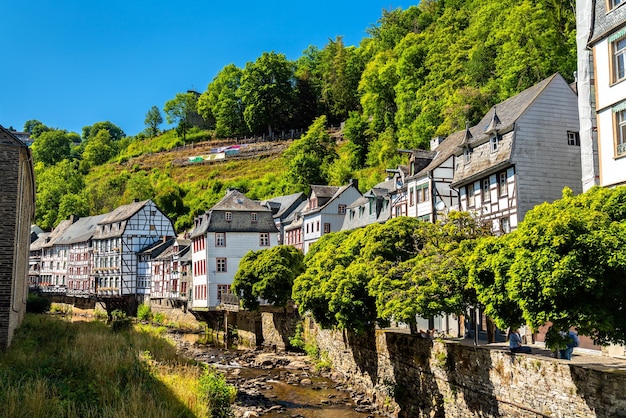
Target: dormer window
[(228, 216), (467, 155), (493, 143)]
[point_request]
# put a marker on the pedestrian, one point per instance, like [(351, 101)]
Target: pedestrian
[(515, 343), (572, 341)]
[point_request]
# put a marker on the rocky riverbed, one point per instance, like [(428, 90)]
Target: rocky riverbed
[(279, 384)]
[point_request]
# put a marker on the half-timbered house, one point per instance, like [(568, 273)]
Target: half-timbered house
[(119, 237), (521, 154)]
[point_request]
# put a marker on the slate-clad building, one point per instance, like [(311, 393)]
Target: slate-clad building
[(17, 209), (220, 238)]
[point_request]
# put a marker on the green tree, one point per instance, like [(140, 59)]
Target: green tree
[(309, 157), (221, 105), (569, 265), (98, 149), (115, 132), (35, 127), (179, 109), (268, 274), (267, 92), (58, 188), (152, 121), (51, 147)]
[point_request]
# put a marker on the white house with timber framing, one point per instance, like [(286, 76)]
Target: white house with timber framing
[(522, 153), (220, 238), (119, 237)]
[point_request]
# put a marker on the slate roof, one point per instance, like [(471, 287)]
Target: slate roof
[(9, 138), (124, 212), (324, 192), (447, 148), (606, 23), (240, 207), (155, 249), (57, 232), (81, 230), (40, 242), (282, 206)]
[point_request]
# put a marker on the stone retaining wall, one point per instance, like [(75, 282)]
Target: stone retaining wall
[(409, 376)]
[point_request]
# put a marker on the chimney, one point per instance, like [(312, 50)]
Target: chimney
[(355, 183), (434, 142)]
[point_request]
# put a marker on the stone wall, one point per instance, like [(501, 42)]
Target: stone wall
[(269, 327), (410, 376)]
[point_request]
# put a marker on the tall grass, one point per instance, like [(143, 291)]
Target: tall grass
[(56, 368)]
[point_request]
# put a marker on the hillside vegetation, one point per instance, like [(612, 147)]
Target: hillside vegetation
[(418, 73)]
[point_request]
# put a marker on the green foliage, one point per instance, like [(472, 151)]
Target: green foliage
[(59, 189), (179, 110), (36, 303), (221, 105), (152, 121), (570, 260), (267, 93), (217, 393), (309, 157), (119, 321), (51, 147), (144, 312), (268, 274), (297, 341)]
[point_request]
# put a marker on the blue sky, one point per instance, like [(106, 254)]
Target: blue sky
[(70, 64)]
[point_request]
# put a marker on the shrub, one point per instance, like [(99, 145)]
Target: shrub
[(144, 312), (37, 304), (159, 318), (119, 321), (217, 393), (297, 341)]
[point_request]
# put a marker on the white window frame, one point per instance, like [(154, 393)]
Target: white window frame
[(341, 209), (228, 216), (573, 138), (618, 59), (264, 239), (254, 217), (220, 239), (493, 143), (221, 265), (503, 188), (620, 133), (471, 195)]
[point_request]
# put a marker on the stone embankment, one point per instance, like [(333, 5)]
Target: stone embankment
[(256, 373)]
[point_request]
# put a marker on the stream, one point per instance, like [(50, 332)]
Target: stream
[(277, 385)]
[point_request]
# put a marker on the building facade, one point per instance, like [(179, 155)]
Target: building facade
[(17, 206), (219, 240)]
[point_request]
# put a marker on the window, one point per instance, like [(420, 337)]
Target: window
[(220, 239), (486, 190), (423, 193), (222, 289), (228, 216), (326, 228), (505, 225), (318, 226), (503, 189), (573, 138), (264, 239), (620, 135), (614, 3), (470, 195), (618, 47), (341, 209), (467, 155), (411, 201), (493, 143), (221, 265), (254, 217)]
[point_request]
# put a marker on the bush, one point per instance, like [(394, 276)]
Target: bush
[(159, 318), (217, 393), (297, 341), (119, 321), (37, 304), (144, 312)]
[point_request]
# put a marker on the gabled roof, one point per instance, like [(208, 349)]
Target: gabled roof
[(154, 250), (58, 232), (323, 191), (81, 230), (40, 242), (446, 149), (124, 212), (284, 205), (508, 112), (9, 138), (239, 206), (339, 190), (237, 201)]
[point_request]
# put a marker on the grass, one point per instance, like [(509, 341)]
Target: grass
[(56, 368)]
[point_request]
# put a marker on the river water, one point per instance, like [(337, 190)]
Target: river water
[(277, 385)]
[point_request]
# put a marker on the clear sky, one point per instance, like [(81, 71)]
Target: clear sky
[(70, 64)]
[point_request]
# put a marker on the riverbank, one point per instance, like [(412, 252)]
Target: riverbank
[(275, 384)]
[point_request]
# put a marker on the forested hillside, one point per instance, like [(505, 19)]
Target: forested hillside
[(418, 73)]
